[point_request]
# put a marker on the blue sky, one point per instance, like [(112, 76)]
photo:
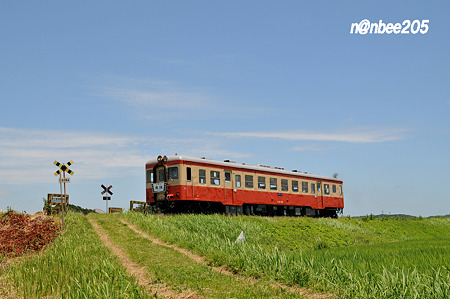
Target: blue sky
[(112, 84)]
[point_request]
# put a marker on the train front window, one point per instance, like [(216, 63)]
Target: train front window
[(237, 179), (261, 182), (334, 188), (173, 173), (313, 188), (202, 176), (284, 185), (162, 175), (149, 175)]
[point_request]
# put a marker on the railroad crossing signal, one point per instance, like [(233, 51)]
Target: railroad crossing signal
[(107, 197), (107, 189), (63, 168)]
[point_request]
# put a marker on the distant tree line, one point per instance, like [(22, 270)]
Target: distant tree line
[(78, 209), (73, 208)]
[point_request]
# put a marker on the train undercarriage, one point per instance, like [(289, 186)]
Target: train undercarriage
[(201, 207)]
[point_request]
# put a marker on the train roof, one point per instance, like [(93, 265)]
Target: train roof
[(258, 167)]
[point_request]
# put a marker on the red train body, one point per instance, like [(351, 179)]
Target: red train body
[(186, 184)]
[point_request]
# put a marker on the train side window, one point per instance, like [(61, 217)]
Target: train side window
[(273, 184), (261, 182), (313, 188), (162, 175), (284, 185), (326, 188), (340, 189), (227, 177), (248, 181), (215, 177), (334, 188), (237, 179), (305, 187), (173, 173), (188, 174), (149, 175), (295, 186), (202, 176), (318, 187)]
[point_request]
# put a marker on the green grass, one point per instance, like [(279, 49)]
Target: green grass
[(398, 257), (351, 258), (307, 233), (296, 234), (181, 272), (408, 269), (76, 265)]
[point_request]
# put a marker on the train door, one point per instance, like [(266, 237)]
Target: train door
[(319, 195), (160, 186), (189, 183), (228, 187)]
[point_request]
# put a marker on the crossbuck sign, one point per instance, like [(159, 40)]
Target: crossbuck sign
[(106, 197), (63, 168)]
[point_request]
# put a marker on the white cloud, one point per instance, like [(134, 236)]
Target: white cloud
[(158, 99), (155, 99), (351, 136), (31, 138), (309, 148), (30, 153), (154, 94)]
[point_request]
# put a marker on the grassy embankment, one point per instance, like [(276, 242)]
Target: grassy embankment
[(76, 265), (182, 273), (350, 257), (401, 258)]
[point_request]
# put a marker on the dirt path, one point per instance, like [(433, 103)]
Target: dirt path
[(191, 255), (160, 290), (301, 291)]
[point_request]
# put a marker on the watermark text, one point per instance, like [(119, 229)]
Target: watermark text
[(406, 27)]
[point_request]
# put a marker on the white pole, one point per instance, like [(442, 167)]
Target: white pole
[(62, 200)]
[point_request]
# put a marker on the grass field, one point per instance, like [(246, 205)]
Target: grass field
[(76, 265), (351, 258), (182, 273), (398, 258)]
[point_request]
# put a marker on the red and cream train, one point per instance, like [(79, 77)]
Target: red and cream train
[(185, 184)]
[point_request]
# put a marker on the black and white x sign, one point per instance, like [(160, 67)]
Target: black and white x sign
[(107, 189)]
